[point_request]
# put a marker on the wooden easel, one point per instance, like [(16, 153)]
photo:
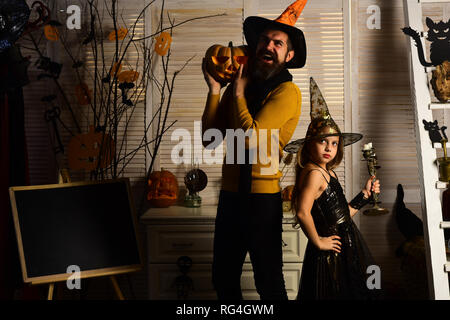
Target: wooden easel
[(119, 294), (64, 177)]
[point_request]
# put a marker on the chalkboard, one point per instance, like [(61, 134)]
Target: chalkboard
[(91, 225)]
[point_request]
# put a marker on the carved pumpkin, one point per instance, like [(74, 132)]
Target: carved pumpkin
[(51, 33), (223, 62), (84, 150), (121, 34), (162, 189), (440, 81), (162, 44)]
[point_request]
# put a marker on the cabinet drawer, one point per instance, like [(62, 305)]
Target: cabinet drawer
[(162, 279), (167, 243)]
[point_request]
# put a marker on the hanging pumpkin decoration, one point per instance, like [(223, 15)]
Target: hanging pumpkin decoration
[(121, 34), (83, 93), (162, 189), (51, 33), (223, 62), (162, 44), (84, 150), (128, 76)]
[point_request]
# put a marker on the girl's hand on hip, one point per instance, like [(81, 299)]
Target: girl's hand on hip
[(330, 243)]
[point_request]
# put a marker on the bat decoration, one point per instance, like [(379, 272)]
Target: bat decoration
[(52, 115), (433, 131), (52, 68), (125, 86), (439, 35)]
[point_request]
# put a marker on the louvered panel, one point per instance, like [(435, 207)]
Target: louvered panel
[(189, 96)]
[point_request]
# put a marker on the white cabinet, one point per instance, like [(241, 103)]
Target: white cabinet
[(179, 231)]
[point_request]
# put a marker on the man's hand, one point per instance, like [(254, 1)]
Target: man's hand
[(213, 85), (240, 81)]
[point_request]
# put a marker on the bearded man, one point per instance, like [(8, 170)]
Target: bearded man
[(263, 100)]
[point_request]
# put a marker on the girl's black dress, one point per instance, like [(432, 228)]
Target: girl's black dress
[(332, 275)]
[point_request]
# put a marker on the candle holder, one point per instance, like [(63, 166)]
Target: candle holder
[(372, 165)]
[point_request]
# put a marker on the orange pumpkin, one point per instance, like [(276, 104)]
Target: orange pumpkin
[(162, 189), (162, 43), (84, 150), (223, 62)]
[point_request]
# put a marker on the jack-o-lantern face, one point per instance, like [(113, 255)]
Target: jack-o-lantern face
[(162, 44), (51, 33), (224, 62), (87, 150), (162, 189)]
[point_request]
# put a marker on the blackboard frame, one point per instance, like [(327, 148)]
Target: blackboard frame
[(108, 271)]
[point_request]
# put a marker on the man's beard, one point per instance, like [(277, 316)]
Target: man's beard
[(263, 71)]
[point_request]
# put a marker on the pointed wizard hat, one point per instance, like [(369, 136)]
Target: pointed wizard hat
[(253, 26), (322, 124)]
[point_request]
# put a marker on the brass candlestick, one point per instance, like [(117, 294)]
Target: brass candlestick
[(372, 165)]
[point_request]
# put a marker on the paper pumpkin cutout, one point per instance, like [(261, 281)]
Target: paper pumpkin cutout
[(128, 76), (162, 189), (121, 34), (83, 94), (51, 33), (84, 150), (163, 42), (223, 62)]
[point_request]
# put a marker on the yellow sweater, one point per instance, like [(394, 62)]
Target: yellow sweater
[(280, 110)]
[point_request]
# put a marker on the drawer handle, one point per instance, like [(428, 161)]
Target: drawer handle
[(182, 245)]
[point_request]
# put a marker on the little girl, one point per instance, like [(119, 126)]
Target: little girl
[(336, 258)]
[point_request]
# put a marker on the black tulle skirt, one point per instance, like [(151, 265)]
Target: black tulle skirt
[(327, 275)]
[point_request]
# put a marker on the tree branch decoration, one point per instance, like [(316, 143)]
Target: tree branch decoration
[(111, 88)]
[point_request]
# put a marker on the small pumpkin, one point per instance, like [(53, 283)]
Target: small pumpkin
[(162, 189), (162, 43), (223, 62), (84, 150)]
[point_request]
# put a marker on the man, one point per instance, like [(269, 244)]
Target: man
[(261, 99)]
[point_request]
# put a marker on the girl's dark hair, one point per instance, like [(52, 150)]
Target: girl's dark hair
[(303, 157)]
